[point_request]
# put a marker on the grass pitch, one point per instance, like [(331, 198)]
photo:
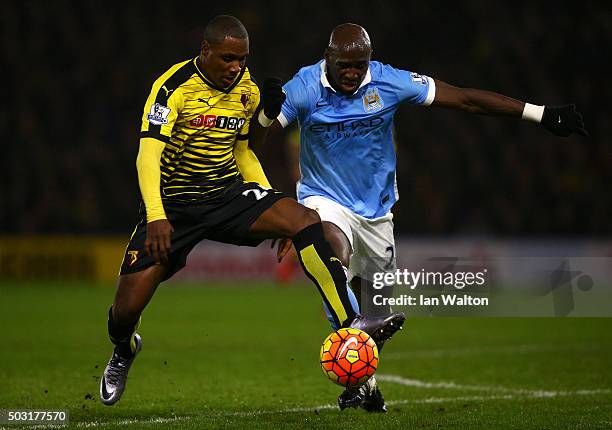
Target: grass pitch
[(246, 356)]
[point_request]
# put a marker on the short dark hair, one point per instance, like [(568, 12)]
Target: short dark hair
[(223, 26)]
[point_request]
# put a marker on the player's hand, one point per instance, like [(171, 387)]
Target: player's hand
[(157, 242), (563, 120), (272, 97), (284, 245)]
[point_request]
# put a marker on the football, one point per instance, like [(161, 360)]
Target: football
[(349, 357)]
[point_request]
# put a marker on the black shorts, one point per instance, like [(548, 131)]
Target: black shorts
[(227, 219)]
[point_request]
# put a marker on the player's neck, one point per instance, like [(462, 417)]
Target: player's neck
[(334, 85), (203, 71)]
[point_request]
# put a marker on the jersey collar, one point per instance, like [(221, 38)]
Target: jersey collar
[(326, 84)]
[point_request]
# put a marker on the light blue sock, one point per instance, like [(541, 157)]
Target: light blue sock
[(354, 305)]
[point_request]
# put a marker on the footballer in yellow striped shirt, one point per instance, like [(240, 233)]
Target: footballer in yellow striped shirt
[(199, 121), (199, 180)]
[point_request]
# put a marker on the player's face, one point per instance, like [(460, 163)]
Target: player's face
[(222, 62), (346, 70)]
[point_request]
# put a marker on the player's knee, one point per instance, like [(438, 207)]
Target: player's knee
[(309, 218), (345, 258), (125, 313), (126, 309), (302, 219)]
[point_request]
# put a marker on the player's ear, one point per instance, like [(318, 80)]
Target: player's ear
[(326, 55), (205, 48)]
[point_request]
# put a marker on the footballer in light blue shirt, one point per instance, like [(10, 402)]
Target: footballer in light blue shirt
[(344, 105), (347, 152)]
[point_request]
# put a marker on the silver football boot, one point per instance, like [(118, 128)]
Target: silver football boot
[(115, 375)]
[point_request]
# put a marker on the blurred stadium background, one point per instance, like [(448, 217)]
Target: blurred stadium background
[(79, 75)]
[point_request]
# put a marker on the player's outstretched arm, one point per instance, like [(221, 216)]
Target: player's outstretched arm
[(264, 120), (272, 98), (159, 229), (560, 120)]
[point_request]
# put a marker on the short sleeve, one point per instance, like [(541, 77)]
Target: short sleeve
[(295, 102), (410, 86), (160, 112)]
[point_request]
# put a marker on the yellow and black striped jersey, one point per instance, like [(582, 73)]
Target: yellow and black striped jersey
[(199, 123)]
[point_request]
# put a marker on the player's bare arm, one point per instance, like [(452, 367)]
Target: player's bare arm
[(560, 120)]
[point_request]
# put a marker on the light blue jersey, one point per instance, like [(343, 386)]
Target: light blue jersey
[(347, 152)]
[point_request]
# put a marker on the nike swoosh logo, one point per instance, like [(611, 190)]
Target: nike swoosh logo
[(351, 341), (322, 104), (106, 390)]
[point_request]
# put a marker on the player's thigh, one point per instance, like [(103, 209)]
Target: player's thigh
[(285, 218), (337, 225), (375, 254), (376, 247), (134, 291)]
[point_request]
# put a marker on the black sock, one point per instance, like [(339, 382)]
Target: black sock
[(324, 269), (122, 335)]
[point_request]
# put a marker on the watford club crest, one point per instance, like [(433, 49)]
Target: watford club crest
[(372, 100), (244, 98), (132, 257)]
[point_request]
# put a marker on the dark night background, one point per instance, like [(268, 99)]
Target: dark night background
[(76, 76)]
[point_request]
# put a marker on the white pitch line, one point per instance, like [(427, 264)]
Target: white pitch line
[(93, 424), (533, 395), (442, 384), (517, 391), (511, 395)]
